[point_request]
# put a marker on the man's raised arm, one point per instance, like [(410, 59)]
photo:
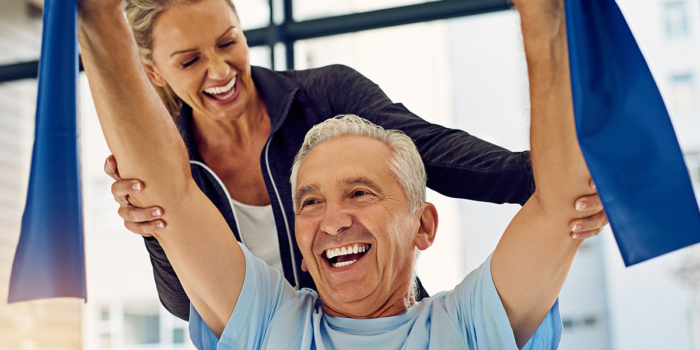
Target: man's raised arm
[(533, 257), (145, 141)]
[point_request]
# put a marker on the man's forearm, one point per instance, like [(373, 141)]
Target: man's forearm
[(532, 259), (560, 171), (148, 148)]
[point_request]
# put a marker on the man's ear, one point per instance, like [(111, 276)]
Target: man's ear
[(303, 266), (428, 227), (156, 78)]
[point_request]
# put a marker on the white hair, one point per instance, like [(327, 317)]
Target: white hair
[(406, 164)]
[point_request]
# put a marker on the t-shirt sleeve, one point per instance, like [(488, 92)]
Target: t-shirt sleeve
[(485, 323), (264, 292)]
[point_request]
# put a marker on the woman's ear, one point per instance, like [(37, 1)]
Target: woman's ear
[(428, 227), (156, 78)]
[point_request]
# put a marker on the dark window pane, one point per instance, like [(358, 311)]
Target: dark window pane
[(141, 325), (178, 336)]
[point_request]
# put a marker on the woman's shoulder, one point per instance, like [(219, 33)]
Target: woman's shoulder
[(326, 76)]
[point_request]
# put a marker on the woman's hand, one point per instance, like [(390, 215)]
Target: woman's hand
[(593, 224), (142, 221)]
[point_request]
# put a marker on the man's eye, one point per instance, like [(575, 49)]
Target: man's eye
[(359, 193), (309, 202), (189, 63)]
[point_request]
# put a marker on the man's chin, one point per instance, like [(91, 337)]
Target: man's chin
[(349, 296)]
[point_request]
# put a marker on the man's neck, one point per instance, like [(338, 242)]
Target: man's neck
[(397, 304)]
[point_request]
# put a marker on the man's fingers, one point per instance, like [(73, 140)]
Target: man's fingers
[(123, 188), (134, 214), (111, 168), (591, 223), (587, 203), (145, 229), (586, 234)]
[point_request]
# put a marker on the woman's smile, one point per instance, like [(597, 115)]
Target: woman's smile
[(223, 95)]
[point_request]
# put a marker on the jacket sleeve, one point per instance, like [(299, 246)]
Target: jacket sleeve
[(458, 164), (170, 291)]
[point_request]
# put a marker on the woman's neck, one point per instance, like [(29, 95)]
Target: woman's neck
[(239, 134)]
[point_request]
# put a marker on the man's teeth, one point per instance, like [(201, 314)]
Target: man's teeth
[(221, 89), (344, 263), (352, 249)]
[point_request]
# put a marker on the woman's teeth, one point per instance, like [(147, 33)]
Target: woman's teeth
[(228, 90)]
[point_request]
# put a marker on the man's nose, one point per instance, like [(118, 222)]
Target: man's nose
[(218, 68), (335, 219)]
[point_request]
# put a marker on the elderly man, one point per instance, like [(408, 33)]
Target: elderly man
[(361, 218)]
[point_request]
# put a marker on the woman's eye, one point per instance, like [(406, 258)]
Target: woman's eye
[(228, 44), (189, 63)]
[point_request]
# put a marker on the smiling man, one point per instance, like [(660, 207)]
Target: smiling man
[(361, 218)]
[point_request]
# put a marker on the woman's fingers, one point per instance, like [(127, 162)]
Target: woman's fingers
[(111, 168), (123, 188), (589, 203), (588, 234), (139, 215), (145, 229), (592, 223)]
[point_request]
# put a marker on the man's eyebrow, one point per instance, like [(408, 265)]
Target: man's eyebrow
[(304, 190), (190, 50), (359, 181)]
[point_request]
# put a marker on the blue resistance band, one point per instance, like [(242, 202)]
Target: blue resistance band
[(50, 258), (626, 136)]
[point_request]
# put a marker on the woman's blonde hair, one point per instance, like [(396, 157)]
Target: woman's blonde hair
[(142, 14)]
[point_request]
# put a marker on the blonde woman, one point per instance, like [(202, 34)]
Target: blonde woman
[(243, 125)]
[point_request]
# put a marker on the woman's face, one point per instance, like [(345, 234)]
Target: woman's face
[(200, 51)]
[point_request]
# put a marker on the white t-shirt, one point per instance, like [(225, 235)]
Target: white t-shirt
[(259, 232)]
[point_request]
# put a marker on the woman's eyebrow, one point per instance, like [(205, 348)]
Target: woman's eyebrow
[(190, 50)]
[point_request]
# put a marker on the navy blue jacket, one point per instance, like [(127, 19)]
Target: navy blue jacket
[(458, 164)]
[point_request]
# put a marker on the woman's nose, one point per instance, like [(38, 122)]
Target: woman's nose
[(218, 68)]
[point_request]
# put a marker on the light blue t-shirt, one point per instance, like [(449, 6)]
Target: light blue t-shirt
[(270, 314)]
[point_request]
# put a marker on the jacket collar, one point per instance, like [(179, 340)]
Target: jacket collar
[(277, 92)]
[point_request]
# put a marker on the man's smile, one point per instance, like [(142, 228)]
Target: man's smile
[(346, 255)]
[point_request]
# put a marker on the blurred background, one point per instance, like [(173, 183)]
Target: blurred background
[(465, 72)]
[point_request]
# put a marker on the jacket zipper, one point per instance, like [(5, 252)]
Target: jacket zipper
[(228, 196), (284, 215)]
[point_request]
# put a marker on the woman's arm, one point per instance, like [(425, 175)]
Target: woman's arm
[(458, 164), (145, 141)]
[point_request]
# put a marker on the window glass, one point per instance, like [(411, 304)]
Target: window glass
[(676, 18), (310, 9), (253, 13), (683, 94), (178, 335), (141, 324), (20, 31), (692, 161)]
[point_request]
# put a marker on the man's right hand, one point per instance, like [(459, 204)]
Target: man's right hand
[(142, 221)]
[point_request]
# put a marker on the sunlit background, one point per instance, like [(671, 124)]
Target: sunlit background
[(466, 73)]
